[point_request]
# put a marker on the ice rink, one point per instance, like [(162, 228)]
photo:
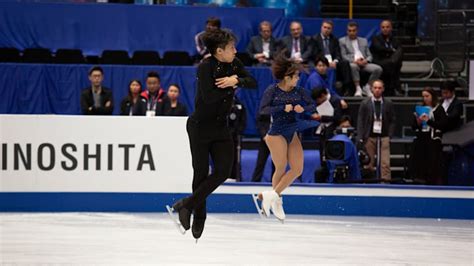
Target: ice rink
[(232, 239)]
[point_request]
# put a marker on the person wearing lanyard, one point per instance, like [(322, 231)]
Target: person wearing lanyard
[(376, 121), (154, 93)]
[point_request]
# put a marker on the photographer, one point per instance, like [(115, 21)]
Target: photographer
[(342, 156)]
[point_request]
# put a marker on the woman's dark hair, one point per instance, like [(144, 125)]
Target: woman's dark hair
[(282, 66), (130, 84), (214, 21), (322, 59), (434, 96), (217, 39), (175, 85)]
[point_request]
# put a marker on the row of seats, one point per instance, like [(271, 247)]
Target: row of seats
[(118, 57)]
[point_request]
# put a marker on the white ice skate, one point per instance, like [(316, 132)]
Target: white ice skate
[(175, 220), (277, 209), (259, 209), (267, 198)]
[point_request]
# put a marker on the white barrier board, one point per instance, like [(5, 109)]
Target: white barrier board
[(45, 153)]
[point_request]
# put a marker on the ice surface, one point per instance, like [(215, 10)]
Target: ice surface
[(232, 239)]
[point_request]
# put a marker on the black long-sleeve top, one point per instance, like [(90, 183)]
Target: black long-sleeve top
[(87, 101), (213, 104)]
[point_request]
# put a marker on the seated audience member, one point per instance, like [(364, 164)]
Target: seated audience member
[(387, 53), (153, 94), (425, 159), (356, 50), (96, 99), (212, 23), (327, 45), (452, 106), (329, 113), (172, 106), (262, 47), (133, 103), (298, 47), (319, 79)]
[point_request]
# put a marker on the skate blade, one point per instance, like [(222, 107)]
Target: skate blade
[(175, 221), (260, 211)]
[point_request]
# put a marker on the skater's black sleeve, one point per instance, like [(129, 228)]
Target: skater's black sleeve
[(245, 79), (209, 92)]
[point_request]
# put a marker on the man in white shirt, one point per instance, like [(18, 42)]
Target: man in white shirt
[(298, 47), (356, 50), (262, 47)]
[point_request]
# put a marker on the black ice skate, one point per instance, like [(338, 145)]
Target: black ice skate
[(184, 216), (198, 227)]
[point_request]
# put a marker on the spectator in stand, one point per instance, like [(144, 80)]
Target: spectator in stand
[(153, 94), (319, 79), (327, 45), (96, 99), (262, 47), (133, 103), (451, 105), (212, 23), (388, 53), (299, 48), (425, 160), (376, 119), (172, 106), (356, 50)]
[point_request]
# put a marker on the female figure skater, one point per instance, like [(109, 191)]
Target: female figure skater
[(286, 104), (208, 131)]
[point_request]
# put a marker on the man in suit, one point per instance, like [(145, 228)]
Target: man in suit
[(451, 105), (356, 50), (376, 119), (262, 47), (327, 45), (387, 53), (96, 99), (212, 23), (298, 47)]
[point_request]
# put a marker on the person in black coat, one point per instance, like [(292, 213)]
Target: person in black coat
[(97, 99), (263, 125), (426, 156), (261, 48), (133, 103), (387, 53), (452, 106), (327, 45), (171, 106), (208, 128), (298, 48)]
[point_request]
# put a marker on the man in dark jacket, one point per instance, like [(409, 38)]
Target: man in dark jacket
[(298, 47), (387, 53), (262, 47), (452, 106), (376, 120), (96, 99)]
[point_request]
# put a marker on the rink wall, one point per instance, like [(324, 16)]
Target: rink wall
[(123, 164)]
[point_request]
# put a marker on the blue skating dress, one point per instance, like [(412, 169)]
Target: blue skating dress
[(286, 124)]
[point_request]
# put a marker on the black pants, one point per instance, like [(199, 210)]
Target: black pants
[(344, 75), (390, 76), (215, 140), (263, 153)]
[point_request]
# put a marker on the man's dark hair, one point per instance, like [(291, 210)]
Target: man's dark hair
[(96, 68), (217, 39), (322, 59), (345, 118), (448, 85), (153, 74), (214, 21), (318, 92), (352, 24), (328, 21)]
